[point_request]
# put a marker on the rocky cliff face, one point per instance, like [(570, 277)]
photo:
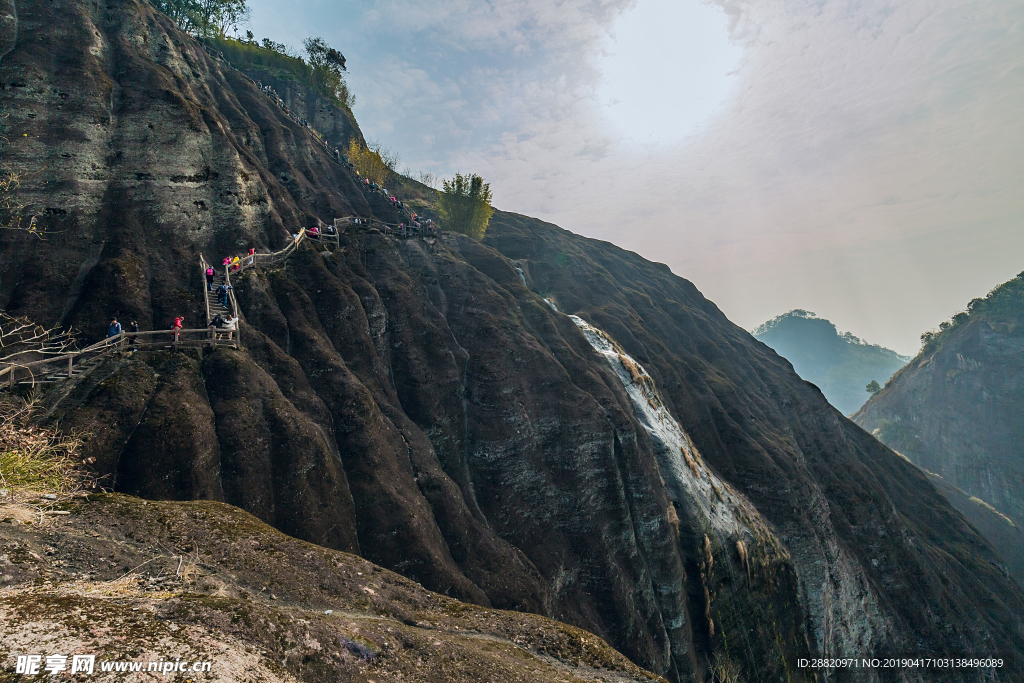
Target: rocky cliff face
[(421, 404), (955, 410)]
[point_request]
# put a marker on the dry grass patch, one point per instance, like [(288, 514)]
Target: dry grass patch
[(36, 460)]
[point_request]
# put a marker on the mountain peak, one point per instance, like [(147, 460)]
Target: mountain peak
[(840, 364)]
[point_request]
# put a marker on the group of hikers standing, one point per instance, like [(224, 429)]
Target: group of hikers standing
[(233, 263), (315, 232), (114, 329)]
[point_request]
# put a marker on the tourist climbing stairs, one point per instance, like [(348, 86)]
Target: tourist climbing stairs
[(214, 306), (35, 367)]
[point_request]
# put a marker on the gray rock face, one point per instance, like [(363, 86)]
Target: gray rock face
[(956, 412), (419, 402)]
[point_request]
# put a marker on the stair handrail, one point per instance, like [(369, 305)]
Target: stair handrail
[(252, 260), (206, 288), (234, 312), (383, 226), (120, 340)]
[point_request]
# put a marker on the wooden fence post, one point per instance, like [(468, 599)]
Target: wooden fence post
[(69, 365)]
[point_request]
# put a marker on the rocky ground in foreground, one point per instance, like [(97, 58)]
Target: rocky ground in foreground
[(127, 579)]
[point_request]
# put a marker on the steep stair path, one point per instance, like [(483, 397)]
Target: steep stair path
[(32, 369)]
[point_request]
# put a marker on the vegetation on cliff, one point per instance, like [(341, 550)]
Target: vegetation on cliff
[(211, 20), (373, 161), (205, 18), (1003, 306), (955, 410), (321, 70), (464, 205), (35, 458)]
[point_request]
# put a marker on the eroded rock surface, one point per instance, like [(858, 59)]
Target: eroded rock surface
[(131, 581)]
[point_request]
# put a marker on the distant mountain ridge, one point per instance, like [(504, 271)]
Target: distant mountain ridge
[(840, 364)]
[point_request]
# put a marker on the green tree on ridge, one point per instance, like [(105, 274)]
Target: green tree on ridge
[(464, 205)]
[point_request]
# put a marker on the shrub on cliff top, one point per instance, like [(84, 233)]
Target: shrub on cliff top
[(326, 65), (205, 18), (322, 72), (465, 205), (1004, 304), (210, 20), (374, 161)]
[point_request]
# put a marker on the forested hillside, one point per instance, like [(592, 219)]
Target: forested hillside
[(841, 365)]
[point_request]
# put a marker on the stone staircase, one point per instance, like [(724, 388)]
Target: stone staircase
[(214, 306), (76, 363)]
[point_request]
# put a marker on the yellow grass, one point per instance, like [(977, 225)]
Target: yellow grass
[(35, 459)]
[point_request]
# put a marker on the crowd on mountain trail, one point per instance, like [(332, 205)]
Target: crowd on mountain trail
[(341, 158), (317, 137), (231, 264)]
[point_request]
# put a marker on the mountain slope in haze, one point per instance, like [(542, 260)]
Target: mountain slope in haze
[(956, 410), (841, 365), (419, 403)]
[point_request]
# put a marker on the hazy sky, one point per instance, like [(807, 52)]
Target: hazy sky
[(863, 159)]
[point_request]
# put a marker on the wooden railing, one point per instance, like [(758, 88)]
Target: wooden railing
[(210, 337), (11, 373), (252, 260), (206, 297)]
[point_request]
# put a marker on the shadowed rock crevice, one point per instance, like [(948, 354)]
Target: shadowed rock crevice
[(276, 462), (173, 454)]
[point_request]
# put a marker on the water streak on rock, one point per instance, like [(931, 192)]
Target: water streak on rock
[(690, 483)]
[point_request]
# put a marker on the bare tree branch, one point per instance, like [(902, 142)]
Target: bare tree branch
[(21, 339)]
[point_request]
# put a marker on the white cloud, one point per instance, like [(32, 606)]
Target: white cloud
[(865, 165)]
